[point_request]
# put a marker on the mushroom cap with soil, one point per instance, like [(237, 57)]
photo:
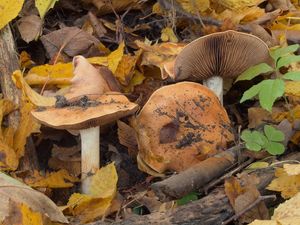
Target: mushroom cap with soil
[(88, 105), (220, 55), (179, 126)]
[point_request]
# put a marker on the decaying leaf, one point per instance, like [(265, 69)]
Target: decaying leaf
[(288, 185), (30, 27), (292, 169), (44, 5), (102, 191), (194, 6), (241, 194), (19, 193), (292, 88), (167, 34), (115, 57), (59, 179)]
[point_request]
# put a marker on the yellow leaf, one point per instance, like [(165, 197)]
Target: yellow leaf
[(194, 6), (59, 179), (239, 4), (125, 69), (167, 34), (25, 60), (87, 208), (59, 70), (115, 57), (104, 182), (6, 106), (292, 88), (288, 210), (44, 5), (27, 125), (292, 169), (29, 217), (33, 96), (137, 79), (9, 10), (287, 185), (102, 191), (8, 157), (264, 222)]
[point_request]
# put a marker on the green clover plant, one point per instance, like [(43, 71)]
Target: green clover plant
[(270, 139), (271, 89)]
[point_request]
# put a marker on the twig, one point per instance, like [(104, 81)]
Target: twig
[(253, 204)]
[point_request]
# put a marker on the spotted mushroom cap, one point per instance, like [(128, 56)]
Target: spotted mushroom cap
[(180, 125), (86, 112), (226, 54)]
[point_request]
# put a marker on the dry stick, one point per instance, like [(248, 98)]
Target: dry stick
[(253, 204), (197, 176), (227, 175)]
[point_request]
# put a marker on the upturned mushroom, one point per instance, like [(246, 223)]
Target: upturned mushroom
[(180, 125), (220, 55), (87, 106)]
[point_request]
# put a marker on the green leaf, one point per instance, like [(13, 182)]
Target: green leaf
[(254, 71), (251, 92), (254, 140), (270, 90), (286, 60), (273, 134), (294, 75), (279, 52), (274, 148), (188, 198), (44, 5)]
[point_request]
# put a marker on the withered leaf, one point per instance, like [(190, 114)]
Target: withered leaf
[(30, 27)]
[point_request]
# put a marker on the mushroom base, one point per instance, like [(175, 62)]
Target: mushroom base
[(90, 155), (215, 84)]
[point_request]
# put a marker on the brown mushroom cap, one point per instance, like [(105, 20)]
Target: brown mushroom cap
[(226, 54), (99, 111), (180, 125)]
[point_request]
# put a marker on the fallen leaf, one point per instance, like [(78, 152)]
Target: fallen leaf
[(287, 185), (292, 88), (15, 191), (8, 157), (288, 210), (292, 169), (71, 41), (27, 125), (258, 116), (88, 207), (30, 27), (195, 6), (115, 57), (125, 69), (9, 10), (167, 34), (59, 179), (33, 96), (25, 60), (238, 5), (44, 5)]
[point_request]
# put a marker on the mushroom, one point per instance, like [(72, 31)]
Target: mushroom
[(87, 106), (180, 125), (220, 55)]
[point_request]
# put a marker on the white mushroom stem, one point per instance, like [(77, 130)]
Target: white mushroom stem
[(215, 84), (90, 155)]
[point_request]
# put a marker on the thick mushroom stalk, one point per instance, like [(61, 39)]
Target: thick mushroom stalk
[(90, 155), (218, 56)]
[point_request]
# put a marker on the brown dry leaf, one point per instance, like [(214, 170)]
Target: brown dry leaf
[(264, 222), (27, 125), (33, 96), (71, 41), (243, 192), (104, 7), (167, 34), (258, 116), (136, 79), (19, 193), (25, 60), (238, 4), (59, 179), (97, 203), (30, 27), (159, 54), (287, 185)]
